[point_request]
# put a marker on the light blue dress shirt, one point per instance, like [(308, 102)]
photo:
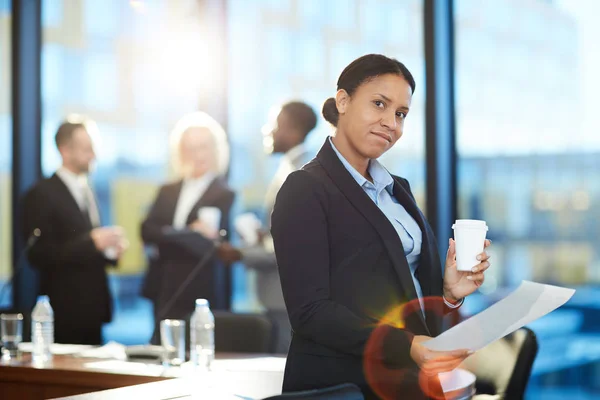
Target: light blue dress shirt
[(381, 192), (409, 232)]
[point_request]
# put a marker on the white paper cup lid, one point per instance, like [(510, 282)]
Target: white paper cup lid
[(470, 223)]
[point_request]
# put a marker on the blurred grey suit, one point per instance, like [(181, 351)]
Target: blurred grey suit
[(262, 256)]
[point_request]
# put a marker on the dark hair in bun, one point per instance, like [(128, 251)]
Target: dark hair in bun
[(330, 111), (360, 71)]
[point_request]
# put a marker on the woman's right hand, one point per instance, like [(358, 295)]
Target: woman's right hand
[(433, 362)]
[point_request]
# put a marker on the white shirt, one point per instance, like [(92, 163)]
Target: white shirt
[(289, 163), (82, 193), (292, 154), (191, 191)]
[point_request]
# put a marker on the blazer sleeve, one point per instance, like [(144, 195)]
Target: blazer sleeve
[(156, 230), (48, 252), (300, 233)]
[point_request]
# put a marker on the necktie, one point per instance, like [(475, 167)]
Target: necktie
[(90, 208)]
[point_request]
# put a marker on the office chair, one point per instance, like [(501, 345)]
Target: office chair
[(234, 333), (503, 368), (522, 371), (345, 391), (242, 333)]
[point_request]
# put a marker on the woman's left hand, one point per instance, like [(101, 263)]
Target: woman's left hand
[(459, 284)]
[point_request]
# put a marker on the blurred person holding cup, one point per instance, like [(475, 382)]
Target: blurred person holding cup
[(286, 135), (187, 219)]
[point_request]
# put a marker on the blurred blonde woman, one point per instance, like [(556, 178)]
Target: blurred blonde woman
[(175, 229)]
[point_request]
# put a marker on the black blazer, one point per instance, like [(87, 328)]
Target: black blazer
[(342, 268), (176, 258), (72, 271)]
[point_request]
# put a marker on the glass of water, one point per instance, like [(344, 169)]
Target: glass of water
[(172, 339), (11, 328)]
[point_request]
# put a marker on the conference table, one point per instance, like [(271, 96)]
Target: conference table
[(232, 376)]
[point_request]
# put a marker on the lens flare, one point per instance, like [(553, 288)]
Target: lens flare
[(392, 380)]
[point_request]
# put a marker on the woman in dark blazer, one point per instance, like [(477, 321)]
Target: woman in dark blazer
[(177, 238), (352, 245)]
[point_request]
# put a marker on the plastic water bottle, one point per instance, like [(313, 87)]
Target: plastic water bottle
[(42, 330), (202, 335)]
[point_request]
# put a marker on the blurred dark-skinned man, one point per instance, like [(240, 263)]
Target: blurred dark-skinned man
[(290, 129)]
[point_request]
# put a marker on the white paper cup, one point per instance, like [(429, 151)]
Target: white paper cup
[(247, 226), (469, 235), (211, 217)]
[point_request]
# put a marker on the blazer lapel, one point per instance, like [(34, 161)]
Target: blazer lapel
[(425, 265), (64, 192), (361, 201), (174, 193), (429, 270)]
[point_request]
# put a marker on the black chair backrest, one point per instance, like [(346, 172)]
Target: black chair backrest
[(242, 333), (234, 333), (522, 371), (345, 391)]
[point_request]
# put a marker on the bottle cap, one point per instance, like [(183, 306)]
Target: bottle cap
[(201, 303), (43, 298)]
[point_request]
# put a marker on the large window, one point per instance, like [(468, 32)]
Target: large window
[(295, 50), (5, 150), (529, 151), (134, 68)]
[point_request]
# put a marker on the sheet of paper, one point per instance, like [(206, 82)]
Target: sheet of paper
[(271, 364), (133, 368), (456, 379), (526, 304), (111, 350)]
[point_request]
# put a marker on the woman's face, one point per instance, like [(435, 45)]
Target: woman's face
[(197, 152), (372, 120)]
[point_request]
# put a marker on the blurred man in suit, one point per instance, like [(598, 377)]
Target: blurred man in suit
[(293, 124), (73, 249)]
